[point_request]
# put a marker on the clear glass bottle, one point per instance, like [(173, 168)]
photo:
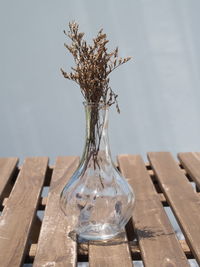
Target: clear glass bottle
[(97, 199)]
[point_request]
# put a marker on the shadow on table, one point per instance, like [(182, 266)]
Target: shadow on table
[(122, 237)]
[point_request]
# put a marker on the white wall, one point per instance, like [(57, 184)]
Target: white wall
[(41, 113)]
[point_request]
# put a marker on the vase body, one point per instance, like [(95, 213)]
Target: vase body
[(97, 199)]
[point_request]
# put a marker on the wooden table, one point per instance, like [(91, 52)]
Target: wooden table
[(150, 236)]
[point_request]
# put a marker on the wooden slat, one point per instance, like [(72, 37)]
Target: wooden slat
[(7, 167), (55, 247), (16, 219), (158, 243), (110, 255), (43, 202), (191, 163), (134, 248), (179, 193)]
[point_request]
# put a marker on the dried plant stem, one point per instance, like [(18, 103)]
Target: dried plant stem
[(93, 64)]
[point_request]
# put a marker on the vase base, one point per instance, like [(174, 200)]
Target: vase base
[(99, 233)]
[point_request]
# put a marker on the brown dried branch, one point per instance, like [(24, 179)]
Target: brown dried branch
[(93, 64)]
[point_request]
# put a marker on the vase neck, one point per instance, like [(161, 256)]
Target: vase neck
[(97, 142)]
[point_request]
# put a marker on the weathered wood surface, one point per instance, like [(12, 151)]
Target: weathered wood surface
[(191, 163), (157, 240), (113, 255), (157, 244), (7, 167), (83, 248), (179, 193), (55, 247), (17, 216)]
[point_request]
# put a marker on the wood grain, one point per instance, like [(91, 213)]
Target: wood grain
[(17, 217), (7, 167), (157, 240), (133, 245), (179, 193), (191, 162), (55, 247), (113, 255)]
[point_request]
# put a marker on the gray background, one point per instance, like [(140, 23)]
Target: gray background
[(41, 113)]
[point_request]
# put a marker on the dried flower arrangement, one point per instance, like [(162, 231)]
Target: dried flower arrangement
[(93, 64)]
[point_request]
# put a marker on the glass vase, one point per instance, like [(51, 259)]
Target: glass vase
[(97, 200)]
